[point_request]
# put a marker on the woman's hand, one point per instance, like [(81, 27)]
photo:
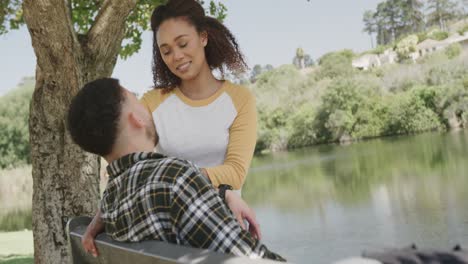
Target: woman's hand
[(242, 211)]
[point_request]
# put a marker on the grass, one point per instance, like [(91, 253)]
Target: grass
[(15, 199), (15, 189), (14, 259)]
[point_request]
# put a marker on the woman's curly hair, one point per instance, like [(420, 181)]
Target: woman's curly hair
[(222, 51)]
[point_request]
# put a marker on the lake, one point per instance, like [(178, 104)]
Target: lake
[(326, 203), (329, 202)]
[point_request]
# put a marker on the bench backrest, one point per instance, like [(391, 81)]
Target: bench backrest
[(143, 252)]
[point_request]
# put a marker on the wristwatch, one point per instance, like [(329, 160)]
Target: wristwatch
[(222, 191)]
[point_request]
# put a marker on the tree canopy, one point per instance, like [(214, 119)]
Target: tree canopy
[(84, 12), (394, 19)]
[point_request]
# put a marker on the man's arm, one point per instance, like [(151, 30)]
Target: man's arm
[(202, 220), (94, 228)]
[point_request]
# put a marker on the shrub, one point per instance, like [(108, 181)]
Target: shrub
[(438, 35), (408, 114), (452, 105), (302, 128), (336, 116), (273, 131), (422, 37), (336, 64), (405, 47), (453, 50), (14, 133), (463, 29)]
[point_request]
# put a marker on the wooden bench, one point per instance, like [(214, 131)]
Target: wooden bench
[(113, 252)]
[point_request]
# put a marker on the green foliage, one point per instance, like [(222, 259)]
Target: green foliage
[(336, 64), (302, 123), (407, 114), (84, 12), (393, 19), (17, 260), (438, 35), (273, 131), (453, 50), (16, 220), (297, 110), (14, 115), (452, 105), (380, 49), (422, 36), (406, 46), (11, 15), (463, 29), (441, 11), (276, 91)]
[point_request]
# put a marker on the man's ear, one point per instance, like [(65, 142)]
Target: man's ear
[(135, 120)]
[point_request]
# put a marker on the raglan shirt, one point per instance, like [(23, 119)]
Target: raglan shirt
[(217, 133)]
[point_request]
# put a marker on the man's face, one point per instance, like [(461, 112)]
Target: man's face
[(142, 113)]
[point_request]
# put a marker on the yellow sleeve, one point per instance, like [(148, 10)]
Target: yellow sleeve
[(153, 98), (241, 146), (146, 103)]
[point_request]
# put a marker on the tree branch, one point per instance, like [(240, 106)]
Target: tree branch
[(106, 35), (51, 29)]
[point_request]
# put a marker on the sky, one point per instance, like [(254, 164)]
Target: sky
[(268, 32)]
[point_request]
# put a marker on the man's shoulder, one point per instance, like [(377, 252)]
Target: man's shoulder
[(169, 168)]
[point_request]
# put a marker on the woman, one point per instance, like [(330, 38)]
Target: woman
[(197, 117), (208, 121)]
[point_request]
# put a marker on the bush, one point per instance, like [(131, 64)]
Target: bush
[(405, 47), (14, 133), (438, 35), (273, 131), (463, 29), (302, 128), (408, 114), (422, 37), (452, 105), (336, 64), (453, 50), (380, 49), (336, 117)]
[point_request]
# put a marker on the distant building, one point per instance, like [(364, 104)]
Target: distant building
[(366, 62), (388, 57), (428, 46), (424, 48)]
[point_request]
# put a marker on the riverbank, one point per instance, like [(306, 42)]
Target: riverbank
[(336, 103)]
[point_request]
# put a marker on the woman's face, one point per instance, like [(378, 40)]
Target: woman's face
[(182, 48)]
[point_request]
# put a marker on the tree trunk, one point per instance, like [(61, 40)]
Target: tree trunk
[(65, 179)]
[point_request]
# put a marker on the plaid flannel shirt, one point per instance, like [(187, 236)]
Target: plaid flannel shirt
[(150, 196)]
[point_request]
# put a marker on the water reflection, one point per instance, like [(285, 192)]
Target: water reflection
[(321, 204), (326, 203)]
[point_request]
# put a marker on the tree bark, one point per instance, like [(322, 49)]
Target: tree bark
[(65, 179)]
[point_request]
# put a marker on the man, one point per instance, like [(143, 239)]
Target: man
[(149, 196)]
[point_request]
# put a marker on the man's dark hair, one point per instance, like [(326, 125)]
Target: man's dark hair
[(94, 114)]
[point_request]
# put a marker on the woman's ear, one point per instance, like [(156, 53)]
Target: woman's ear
[(204, 38)]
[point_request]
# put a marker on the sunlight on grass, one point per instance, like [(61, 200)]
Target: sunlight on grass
[(17, 260)]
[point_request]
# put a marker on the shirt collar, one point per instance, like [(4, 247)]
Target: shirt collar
[(118, 166)]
